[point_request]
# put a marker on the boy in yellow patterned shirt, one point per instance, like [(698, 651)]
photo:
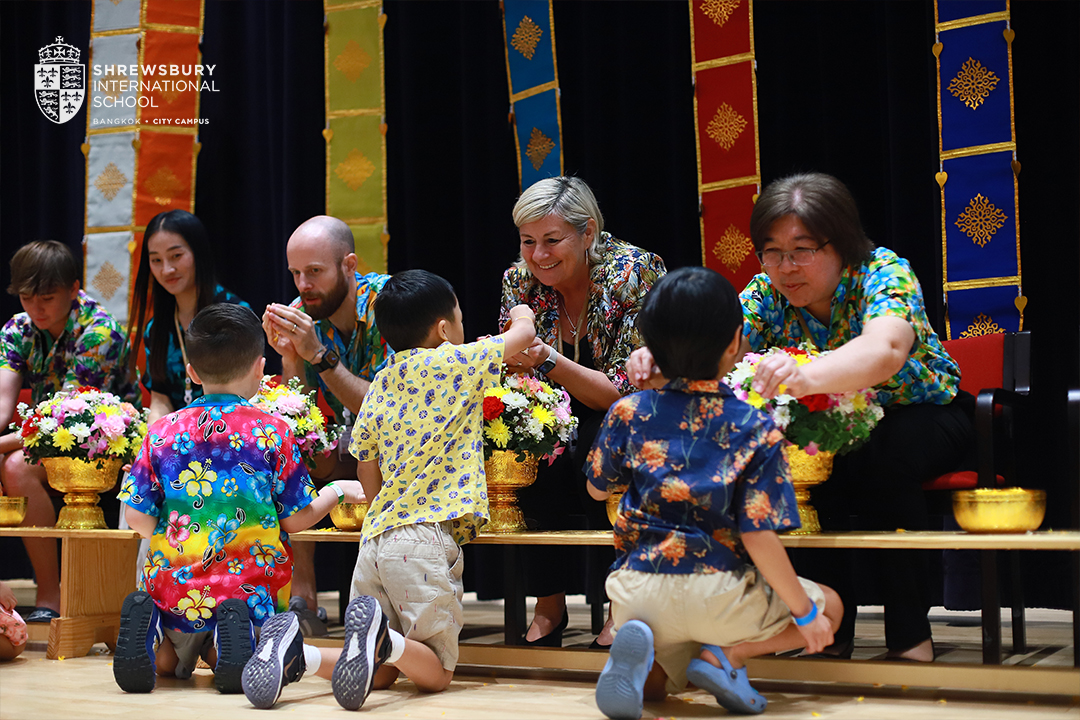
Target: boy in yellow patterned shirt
[(418, 440)]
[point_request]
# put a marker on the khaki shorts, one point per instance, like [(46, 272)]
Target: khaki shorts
[(189, 648), (686, 611), (415, 573)]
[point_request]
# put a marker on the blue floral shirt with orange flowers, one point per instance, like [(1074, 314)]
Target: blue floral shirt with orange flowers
[(218, 475), (699, 467), (884, 285)]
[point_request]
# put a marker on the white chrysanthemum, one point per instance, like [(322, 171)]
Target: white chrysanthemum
[(48, 424), (80, 430), (534, 427), (781, 416), (878, 412), (515, 400), (782, 400), (845, 404)]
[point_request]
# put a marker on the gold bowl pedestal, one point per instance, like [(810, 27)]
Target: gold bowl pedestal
[(505, 475), (806, 472), (349, 516), (81, 481)]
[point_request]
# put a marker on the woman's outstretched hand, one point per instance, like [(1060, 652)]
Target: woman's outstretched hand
[(643, 372)]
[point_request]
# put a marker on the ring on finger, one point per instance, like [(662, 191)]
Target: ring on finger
[(294, 327)]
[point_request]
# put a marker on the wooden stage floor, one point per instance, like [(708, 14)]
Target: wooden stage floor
[(33, 688)]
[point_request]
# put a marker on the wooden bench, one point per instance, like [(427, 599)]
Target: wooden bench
[(97, 571), (986, 677)]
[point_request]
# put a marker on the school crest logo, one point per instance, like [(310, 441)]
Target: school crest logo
[(59, 81)]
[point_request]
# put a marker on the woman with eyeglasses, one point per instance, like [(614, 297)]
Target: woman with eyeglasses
[(826, 284)]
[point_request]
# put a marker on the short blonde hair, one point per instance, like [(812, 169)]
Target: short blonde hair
[(568, 198)]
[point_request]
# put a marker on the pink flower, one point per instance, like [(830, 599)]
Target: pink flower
[(811, 449), (112, 426), (73, 405), (291, 404), (176, 532), (562, 414)]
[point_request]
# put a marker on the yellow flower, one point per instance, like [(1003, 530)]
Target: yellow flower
[(803, 359), (497, 432), (304, 424), (197, 478), (543, 416), (197, 605), (31, 440), (118, 445), (756, 400), (63, 439), (496, 392), (316, 416), (859, 401)]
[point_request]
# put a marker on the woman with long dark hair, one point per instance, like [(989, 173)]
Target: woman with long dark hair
[(176, 279)]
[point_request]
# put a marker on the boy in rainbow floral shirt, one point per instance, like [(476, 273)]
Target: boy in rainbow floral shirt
[(706, 484), (216, 487)]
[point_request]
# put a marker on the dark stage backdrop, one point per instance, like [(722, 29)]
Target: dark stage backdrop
[(846, 88)]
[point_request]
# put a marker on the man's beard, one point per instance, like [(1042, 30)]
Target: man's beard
[(331, 301)]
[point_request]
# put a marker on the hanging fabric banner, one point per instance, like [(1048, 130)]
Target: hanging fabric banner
[(980, 221), (141, 137), (725, 120), (533, 76), (356, 125)]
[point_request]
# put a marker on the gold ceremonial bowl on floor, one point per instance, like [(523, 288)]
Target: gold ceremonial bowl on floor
[(81, 481), (12, 510), (1001, 510), (349, 516)]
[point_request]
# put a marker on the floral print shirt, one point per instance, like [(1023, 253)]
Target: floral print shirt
[(423, 420), (699, 467), (619, 284), (92, 351), (175, 372), (218, 475), (883, 286), (364, 353)]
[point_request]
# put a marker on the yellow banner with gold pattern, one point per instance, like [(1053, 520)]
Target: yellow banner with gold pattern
[(142, 132), (356, 126), (978, 172), (725, 120)]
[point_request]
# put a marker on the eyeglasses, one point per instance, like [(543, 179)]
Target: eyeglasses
[(801, 256)]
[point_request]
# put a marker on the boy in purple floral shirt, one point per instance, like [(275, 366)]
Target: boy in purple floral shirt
[(216, 487), (706, 485)]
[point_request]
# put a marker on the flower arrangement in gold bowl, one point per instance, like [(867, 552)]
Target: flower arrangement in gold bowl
[(525, 420), (311, 433), (83, 437), (818, 427)]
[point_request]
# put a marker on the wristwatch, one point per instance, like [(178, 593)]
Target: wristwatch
[(329, 360), (548, 365)]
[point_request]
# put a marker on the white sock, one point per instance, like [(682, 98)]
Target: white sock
[(312, 659), (397, 646)]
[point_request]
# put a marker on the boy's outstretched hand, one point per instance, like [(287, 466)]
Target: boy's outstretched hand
[(818, 634), (354, 491)]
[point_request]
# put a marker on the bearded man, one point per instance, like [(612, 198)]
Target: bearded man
[(326, 337)]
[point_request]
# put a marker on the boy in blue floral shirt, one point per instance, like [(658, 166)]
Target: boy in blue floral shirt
[(706, 485), (216, 487)]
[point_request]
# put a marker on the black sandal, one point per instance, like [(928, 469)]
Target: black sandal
[(41, 615)]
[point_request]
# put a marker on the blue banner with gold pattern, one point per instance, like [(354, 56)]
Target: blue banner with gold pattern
[(983, 311), (533, 76), (980, 226), (980, 217), (975, 105)]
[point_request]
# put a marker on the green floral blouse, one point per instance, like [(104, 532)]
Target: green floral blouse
[(884, 286)]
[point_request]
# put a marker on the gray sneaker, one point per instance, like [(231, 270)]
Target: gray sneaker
[(278, 660), (312, 622), (367, 645)]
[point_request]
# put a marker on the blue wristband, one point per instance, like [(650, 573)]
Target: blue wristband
[(808, 617)]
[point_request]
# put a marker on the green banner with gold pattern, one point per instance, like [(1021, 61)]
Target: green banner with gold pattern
[(356, 126)]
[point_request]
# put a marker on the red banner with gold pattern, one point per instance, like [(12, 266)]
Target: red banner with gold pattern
[(725, 120)]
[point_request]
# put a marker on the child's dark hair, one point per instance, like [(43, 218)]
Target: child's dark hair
[(42, 267), (408, 305), (223, 341), (688, 320)]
